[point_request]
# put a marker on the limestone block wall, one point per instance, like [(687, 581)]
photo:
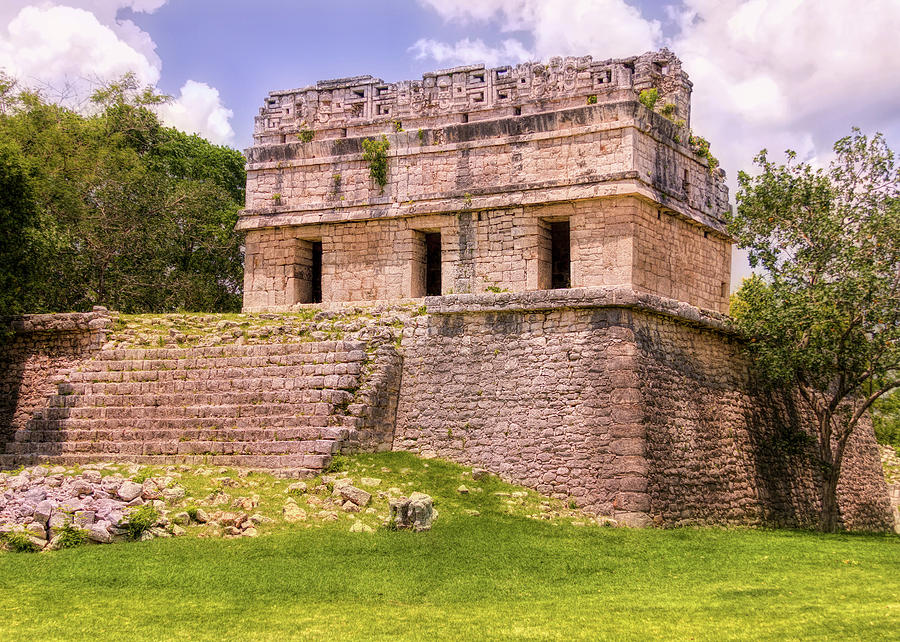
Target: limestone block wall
[(613, 241), (34, 352), (634, 405), (723, 448), (679, 260)]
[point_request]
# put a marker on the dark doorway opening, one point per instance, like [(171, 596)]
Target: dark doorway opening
[(559, 255), (316, 272), (433, 264)]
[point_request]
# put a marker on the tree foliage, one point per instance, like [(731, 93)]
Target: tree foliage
[(114, 208), (825, 317)]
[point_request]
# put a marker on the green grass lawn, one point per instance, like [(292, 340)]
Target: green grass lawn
[(499, 574)]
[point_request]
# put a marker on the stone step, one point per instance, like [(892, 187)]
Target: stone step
[(260, 350), (296, 379), (277, 421), (325, 362), (288, 397), (191, 374), (286, 465), (171, 447), (309, 433), (224, 412)]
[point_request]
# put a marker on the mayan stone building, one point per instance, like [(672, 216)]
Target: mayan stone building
[(532, 177), (569, 245)]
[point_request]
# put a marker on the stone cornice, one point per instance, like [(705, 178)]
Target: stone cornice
[(578, 298)]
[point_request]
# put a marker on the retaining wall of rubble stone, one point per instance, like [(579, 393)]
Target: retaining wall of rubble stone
[(34, 349), (634, 405)]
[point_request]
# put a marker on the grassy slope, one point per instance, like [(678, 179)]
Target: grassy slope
[(499, 574)]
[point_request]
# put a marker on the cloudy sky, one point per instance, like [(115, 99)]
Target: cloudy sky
[(767, 73)]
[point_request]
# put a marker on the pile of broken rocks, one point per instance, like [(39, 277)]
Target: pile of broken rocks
[(41, 502)]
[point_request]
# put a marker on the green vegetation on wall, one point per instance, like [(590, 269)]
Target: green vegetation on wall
[(375, 154), (649, 97)]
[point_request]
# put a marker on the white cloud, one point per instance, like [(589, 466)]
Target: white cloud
[(69, 48), (468, 51), (60, 46), (605, 28), (767, 73), (199, 110)]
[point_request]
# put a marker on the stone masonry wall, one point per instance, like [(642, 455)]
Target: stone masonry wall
[(721, 448), (636, 406), (614, 241), (38, 348)]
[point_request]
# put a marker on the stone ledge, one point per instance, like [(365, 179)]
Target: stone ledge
[(97, 319), (608, 186), (595, 297)]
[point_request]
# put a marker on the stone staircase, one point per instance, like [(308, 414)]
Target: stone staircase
[(288, 406)]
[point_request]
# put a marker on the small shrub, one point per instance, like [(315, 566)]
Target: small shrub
[(592, 99), (18, 542), (649, 97), (700, 146), (141, 520), (306, 135), (70, 537), (398, 126), (375, 154), (421, 135), (192, 512), (338, 464), (668, 110), (573, 504)]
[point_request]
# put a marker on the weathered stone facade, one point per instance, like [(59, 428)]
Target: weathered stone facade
[(636, 406), (489, 159), (34, 355)]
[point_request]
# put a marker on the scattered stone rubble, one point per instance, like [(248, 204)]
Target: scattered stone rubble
[(41, 502)]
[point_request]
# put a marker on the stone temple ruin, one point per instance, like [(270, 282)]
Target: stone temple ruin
[(541, 267), (533, 177)]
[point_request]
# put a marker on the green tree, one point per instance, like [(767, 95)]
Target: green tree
[(18, 215), (886, 419), (825, 317), (130, 214)]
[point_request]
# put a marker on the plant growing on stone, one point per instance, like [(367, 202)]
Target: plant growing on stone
[(306, 135), (592, 99), (668, 111), (141, 519), (700, 146), (70, 537), (18, 542), (824, 316), (648, 97), (375, 154)]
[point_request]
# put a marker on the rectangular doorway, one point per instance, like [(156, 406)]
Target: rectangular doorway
[(560, 260), (432, 264), (316, 273)]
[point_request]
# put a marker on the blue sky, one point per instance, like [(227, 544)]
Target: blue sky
[(767, 73)]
